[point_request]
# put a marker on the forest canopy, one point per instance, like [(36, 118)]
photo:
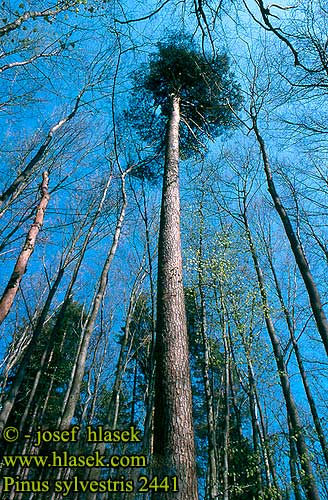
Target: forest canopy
[(190, 313)]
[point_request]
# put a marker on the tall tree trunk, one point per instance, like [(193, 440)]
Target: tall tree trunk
[(300, 258), (9, 294), (258, 422), (174, 449), (293, 464), (309, 483), (149, 396), (211, 428), (226, 432), (74, 393), (256, 433), (261, 428), (48, 349), (115, 398), (306, 385), (10, 399), (19, 270)]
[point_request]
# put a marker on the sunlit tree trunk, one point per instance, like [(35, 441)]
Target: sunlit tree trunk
[(9, 295), (174, 451), (74, 392), (10, 292)]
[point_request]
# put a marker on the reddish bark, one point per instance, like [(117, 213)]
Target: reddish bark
[(9, 294), (174, 452)]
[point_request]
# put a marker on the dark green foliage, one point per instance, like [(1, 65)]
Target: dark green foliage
[(206, 88), (56, 374), (138, 371), (59, 339)]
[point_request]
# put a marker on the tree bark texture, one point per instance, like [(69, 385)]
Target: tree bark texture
[(10, 292), (174, 451)]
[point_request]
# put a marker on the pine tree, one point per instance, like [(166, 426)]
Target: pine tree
[(192, 96)]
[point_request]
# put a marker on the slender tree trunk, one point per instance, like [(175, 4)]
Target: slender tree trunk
[(293, 464), (48, 349), (211, 428), (126, 345), (262, 433), (226, 432), (256, 439), (300, 258), (306, 385), (74, 276), (309, 484), (9, 294), (115, 398), (258, 423), (20, 269), (10, 400), (97, 369), (22, 177), (17, 348), (174, 450), (74, 393), (134, 390), (148, 423), (42, 406)]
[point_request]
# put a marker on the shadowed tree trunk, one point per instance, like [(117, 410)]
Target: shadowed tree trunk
[(74, 392), (211, 427), (309, 483), (174, 452), (308, 391), (300, 258)]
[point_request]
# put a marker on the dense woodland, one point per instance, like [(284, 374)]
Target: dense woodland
[(164, 248)]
